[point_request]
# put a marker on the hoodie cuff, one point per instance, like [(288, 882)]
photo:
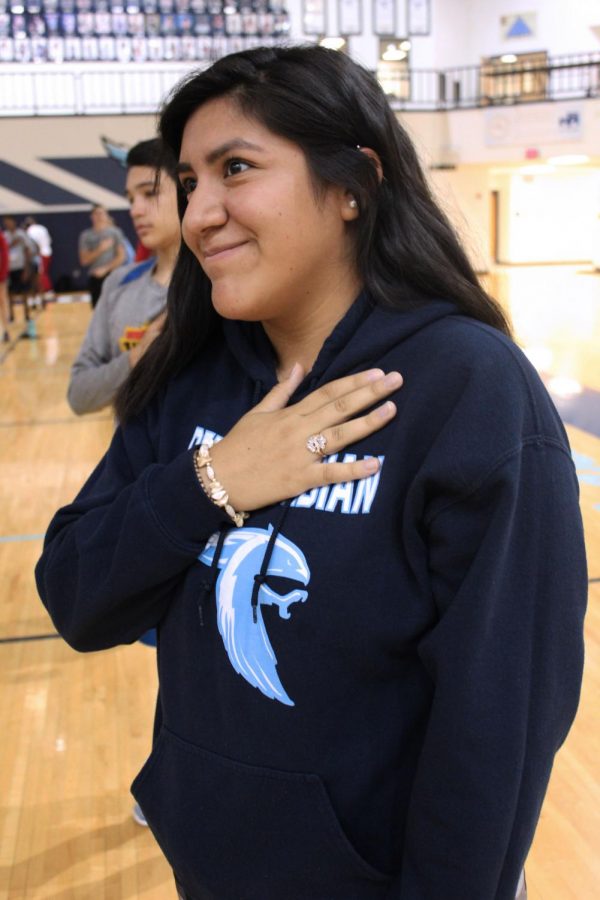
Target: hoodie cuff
[(180, 505)]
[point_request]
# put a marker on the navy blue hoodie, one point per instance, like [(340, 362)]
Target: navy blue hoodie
[(361, 691)]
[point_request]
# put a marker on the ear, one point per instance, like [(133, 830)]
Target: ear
[(349, 206), (373, 155)]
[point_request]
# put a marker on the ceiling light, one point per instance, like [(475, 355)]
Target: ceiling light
[(393, 53), (332, 43)]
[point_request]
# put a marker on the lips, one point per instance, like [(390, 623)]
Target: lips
[(222, 251)]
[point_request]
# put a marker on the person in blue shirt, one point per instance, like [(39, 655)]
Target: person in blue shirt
[(344, 498)]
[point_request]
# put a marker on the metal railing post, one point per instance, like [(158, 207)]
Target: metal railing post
[(456, 92), (441, 88), (78, 94)]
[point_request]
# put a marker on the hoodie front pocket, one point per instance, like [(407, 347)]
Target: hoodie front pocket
[(242, 832)]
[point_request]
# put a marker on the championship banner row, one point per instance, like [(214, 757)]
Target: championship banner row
[(37, 7), (109, 49), (221, 20)]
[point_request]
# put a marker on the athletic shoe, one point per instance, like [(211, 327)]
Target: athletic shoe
[(138, 815), (30, 330)]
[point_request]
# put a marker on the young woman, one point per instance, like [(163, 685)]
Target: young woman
[(364, 683)]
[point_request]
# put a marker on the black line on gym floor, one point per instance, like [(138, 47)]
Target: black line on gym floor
[(28, 637)]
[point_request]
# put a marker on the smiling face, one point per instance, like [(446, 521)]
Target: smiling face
[(153, 208), (272, 249)]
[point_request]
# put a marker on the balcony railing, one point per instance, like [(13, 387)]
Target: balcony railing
[(87, 89), (113, 89), (467, 87)]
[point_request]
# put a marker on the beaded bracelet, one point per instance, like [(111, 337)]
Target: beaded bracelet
[(215, 490)]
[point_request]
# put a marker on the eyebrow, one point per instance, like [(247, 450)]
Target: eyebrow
[(222, 150), (140, 184)]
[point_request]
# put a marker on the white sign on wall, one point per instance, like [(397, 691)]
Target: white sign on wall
[(526, 125)]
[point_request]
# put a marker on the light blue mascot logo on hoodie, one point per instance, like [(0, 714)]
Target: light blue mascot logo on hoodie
[(246, 641)]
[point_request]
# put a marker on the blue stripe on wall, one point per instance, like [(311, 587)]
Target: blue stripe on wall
[(100, 170), (44, 192)]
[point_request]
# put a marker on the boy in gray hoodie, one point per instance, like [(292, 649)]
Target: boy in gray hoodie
[(131, 309)]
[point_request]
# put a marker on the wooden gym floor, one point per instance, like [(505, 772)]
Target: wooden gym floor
[(75, 729)]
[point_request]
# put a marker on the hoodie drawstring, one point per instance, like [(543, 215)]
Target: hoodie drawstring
[(262, 576)]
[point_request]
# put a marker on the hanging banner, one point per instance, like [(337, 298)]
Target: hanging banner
[(384, 17), (349, 17), (418, 15)]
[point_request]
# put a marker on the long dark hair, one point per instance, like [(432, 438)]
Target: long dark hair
[(406, 250)]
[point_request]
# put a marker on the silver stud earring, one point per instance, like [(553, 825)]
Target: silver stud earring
[(353, 204)]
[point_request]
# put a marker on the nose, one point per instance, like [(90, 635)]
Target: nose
[(206, 209), (137, 207)]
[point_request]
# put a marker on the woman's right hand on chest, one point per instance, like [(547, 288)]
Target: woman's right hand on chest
[(264, 458)]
